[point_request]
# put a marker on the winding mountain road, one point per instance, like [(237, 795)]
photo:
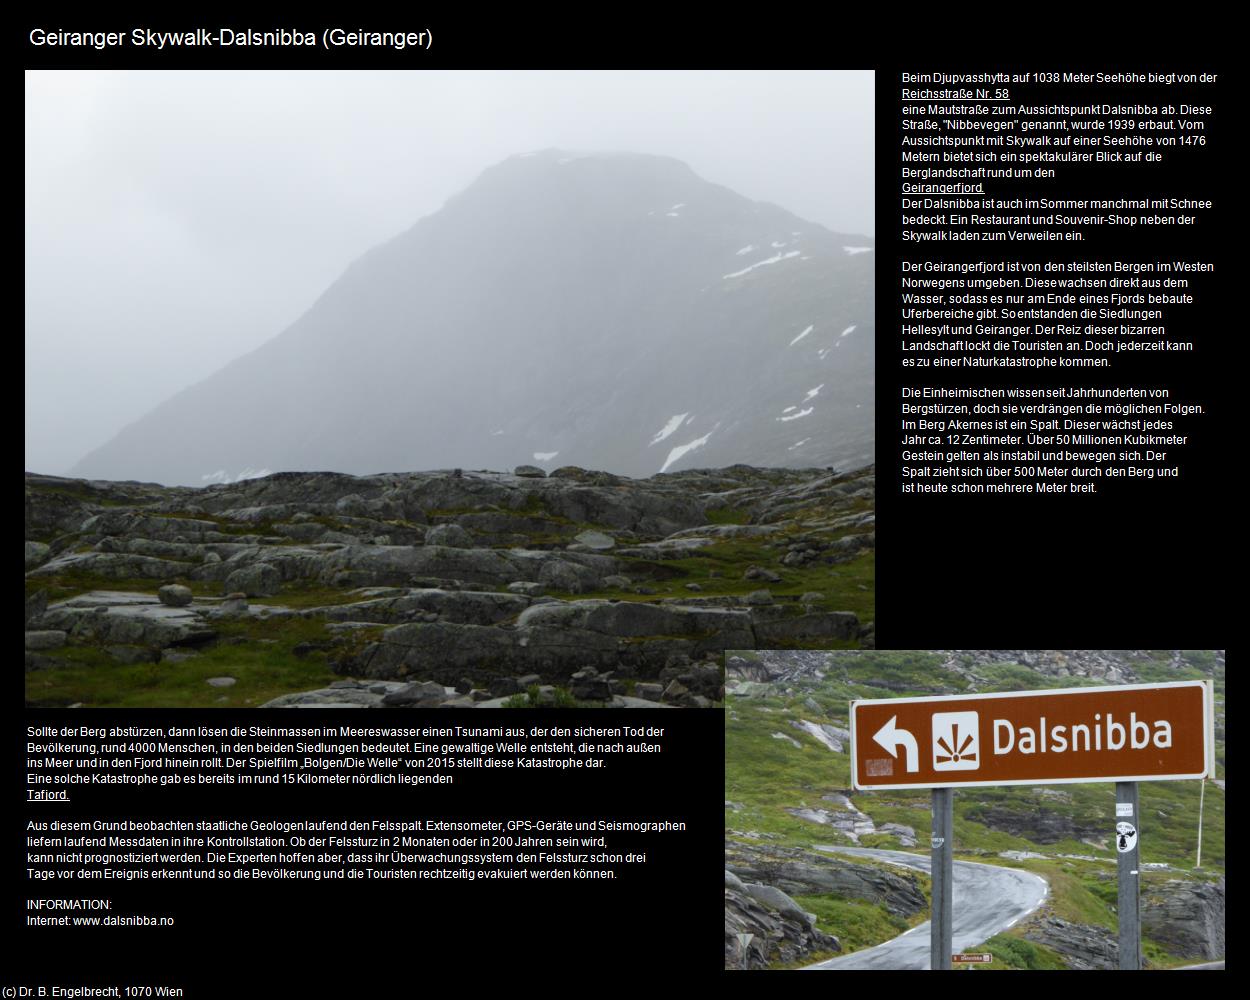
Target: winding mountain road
[(987, 900)]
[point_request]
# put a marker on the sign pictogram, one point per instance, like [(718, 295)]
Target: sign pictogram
[(956, 741)]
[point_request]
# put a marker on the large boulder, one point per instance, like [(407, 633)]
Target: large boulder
[(400, 565), (618, 618), (256, 580), (1083, 946), (466, 607), (36, 553), (141, 622), (1186, 917), (451, 535), (175, 595)]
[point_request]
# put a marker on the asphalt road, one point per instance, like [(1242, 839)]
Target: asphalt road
[(987, 900)]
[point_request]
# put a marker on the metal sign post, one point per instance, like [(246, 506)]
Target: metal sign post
[(1128, 900), (942, 875)]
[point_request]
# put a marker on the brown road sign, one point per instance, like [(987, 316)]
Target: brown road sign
[(973, 956), (1136, 732)]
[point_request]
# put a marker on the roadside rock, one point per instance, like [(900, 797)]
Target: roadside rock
[(1186, 917), (1040, 824), (780, 930), (802, 873), (1083, 946)]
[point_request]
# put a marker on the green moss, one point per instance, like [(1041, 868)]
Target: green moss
[(1012, 952), (719, 570), (728, 515), (856, 923), (258, 654), (74, 583)]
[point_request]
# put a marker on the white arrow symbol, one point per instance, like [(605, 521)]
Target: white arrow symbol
[(890, 738)]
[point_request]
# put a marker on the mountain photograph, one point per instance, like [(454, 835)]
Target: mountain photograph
[(559, 434)]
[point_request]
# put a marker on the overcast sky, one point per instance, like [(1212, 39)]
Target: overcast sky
[(177, 220)]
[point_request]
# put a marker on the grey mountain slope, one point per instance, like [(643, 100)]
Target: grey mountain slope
[(561, 304)]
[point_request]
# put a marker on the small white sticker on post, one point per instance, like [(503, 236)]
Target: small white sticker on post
[(1124, 809)]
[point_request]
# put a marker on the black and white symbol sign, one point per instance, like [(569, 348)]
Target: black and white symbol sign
[(1125, 837), (955, 741)]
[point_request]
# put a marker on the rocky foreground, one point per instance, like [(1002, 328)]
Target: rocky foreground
[(761, 881), (439, 588)]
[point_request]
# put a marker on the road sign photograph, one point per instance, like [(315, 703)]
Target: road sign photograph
[(972, 810)]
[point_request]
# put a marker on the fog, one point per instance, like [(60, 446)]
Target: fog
[(177, 220)]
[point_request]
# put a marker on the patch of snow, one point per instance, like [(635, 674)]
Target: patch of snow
[(847, 332), (852, 251), (824, 351), (673, 214), (680, 204), (828, 735), (683, 449), (796, 234), (798, 444), (545, 456), (761, 263), (495, 434), (777, 246), (690, 420), (813, 393), (789, 408), (746, 249), (805, 258), (802, 335), (796, 416), (669, 428)]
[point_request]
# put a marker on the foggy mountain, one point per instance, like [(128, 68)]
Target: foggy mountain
[(613, 311)]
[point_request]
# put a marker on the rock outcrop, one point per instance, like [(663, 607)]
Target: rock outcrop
[(764, 926), (1186, 917), (800, 873), (1083, 946), (466, 580)]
